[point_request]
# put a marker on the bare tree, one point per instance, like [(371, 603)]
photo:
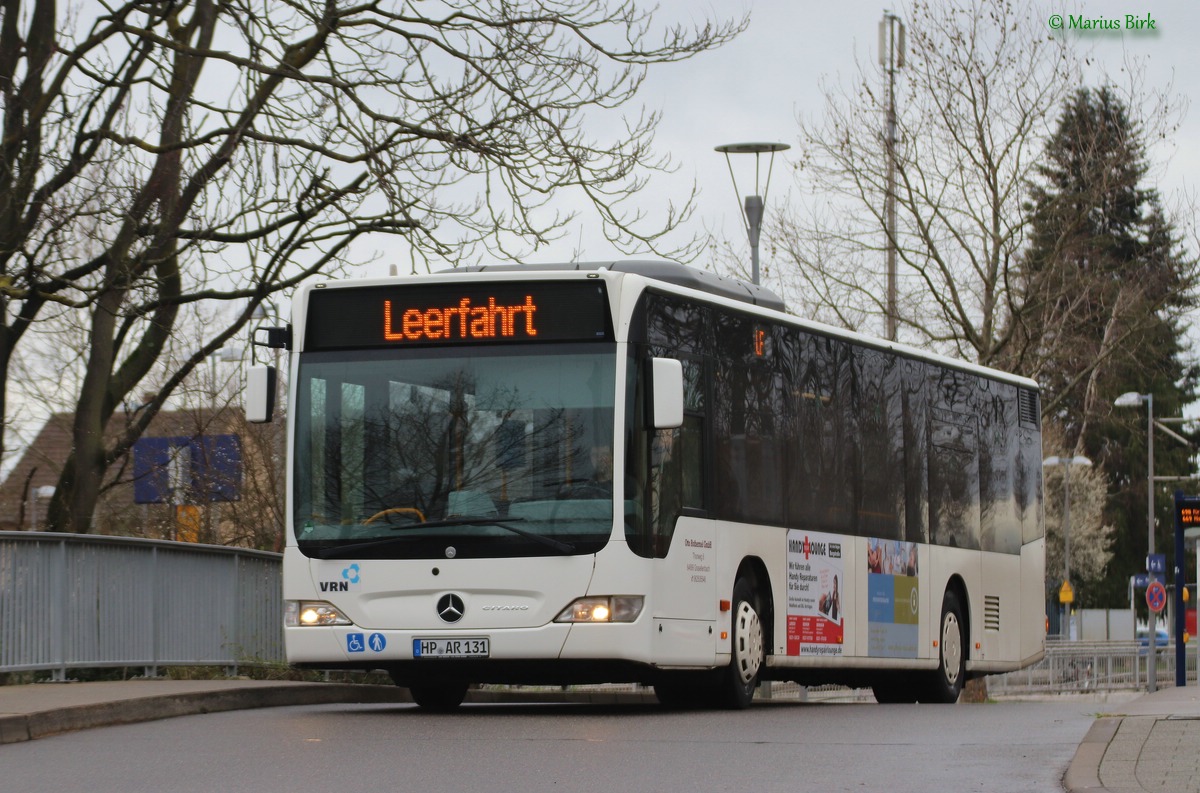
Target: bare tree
[(976, 101), (158, 154), (1092, 537), (979, 102)]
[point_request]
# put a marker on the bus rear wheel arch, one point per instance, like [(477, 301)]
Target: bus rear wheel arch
[(945, 684)]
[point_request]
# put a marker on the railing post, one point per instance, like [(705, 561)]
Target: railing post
[(60, 606), (236, 607), (155, 612)]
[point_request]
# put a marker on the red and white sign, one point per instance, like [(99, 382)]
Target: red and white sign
[(1156, 596)]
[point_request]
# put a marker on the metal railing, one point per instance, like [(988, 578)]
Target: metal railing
[(72, 601), (1071, 666)]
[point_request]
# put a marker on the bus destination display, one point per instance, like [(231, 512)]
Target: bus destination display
[(436, 314)]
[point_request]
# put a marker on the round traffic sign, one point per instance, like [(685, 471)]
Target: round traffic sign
[(1156, 596)]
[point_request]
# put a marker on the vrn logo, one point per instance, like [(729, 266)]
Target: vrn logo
[(350, 575)]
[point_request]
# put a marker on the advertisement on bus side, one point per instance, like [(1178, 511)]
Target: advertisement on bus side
[(892, 592), (816, 578)]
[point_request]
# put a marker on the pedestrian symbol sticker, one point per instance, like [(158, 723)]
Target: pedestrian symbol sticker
[(377, 641), (355, 643)]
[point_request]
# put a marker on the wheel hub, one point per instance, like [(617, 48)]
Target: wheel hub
[(952, 651), (748, 643)]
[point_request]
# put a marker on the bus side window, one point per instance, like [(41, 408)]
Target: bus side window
[(664, 470), (666, 486), (691, 440), (638, 525)]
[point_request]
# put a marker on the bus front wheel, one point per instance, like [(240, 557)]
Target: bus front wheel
[(438, 697), (946, 683), (740, 678)]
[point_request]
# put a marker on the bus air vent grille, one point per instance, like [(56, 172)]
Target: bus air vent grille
[(1027, 408), (991, 613)]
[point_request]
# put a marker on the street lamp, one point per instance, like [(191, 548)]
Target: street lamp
[(753, 208), (1132, 399), (1066, 595)]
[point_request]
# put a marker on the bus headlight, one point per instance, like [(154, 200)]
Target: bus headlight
[(614, 608), (302, 613)]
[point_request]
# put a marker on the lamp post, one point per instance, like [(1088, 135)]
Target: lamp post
[(754, 204), (1066, 596), (1132, 399)]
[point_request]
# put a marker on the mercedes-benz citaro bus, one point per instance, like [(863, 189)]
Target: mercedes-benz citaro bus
[(640, 472)]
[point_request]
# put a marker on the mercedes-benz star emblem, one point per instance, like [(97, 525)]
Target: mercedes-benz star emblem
[(450, 608)]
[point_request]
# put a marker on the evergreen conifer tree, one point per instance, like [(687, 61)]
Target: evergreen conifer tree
[(1113, 284)]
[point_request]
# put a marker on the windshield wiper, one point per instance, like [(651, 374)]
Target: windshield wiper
[(342, 551), (472, 520)]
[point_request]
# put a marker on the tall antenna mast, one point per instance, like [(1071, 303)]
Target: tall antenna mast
[(891, 58)]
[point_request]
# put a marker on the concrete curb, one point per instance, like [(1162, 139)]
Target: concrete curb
[(1083, 775), (15, 728), (41, 723)]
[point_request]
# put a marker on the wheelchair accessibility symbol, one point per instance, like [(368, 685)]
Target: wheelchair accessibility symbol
[(358, 643)]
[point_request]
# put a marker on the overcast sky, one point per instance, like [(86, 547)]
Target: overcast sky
[(754, 88)]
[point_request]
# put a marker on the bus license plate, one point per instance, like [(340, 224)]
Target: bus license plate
[(451, 648)]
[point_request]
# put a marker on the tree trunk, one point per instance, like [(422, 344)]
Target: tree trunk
[(78, 489), (975, 690)]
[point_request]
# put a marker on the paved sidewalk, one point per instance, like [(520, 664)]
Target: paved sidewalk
[(1148, 744)]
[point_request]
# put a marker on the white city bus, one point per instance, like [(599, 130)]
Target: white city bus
[(639, 472)]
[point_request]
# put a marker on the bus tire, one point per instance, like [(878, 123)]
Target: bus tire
[(438, 697), (736, 687), (946, 684)]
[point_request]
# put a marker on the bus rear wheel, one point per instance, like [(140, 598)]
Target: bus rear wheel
[(438, 697), (946, 684), (735, 688)]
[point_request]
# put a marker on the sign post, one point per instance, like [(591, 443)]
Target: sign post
[(1187, 516)]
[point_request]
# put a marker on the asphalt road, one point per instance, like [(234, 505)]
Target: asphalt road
[(1011, 746)]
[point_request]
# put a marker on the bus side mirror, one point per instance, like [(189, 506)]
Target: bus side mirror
[(666, 390), (260, 394)]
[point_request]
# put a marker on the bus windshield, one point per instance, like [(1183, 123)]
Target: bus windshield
[(461, 452)]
